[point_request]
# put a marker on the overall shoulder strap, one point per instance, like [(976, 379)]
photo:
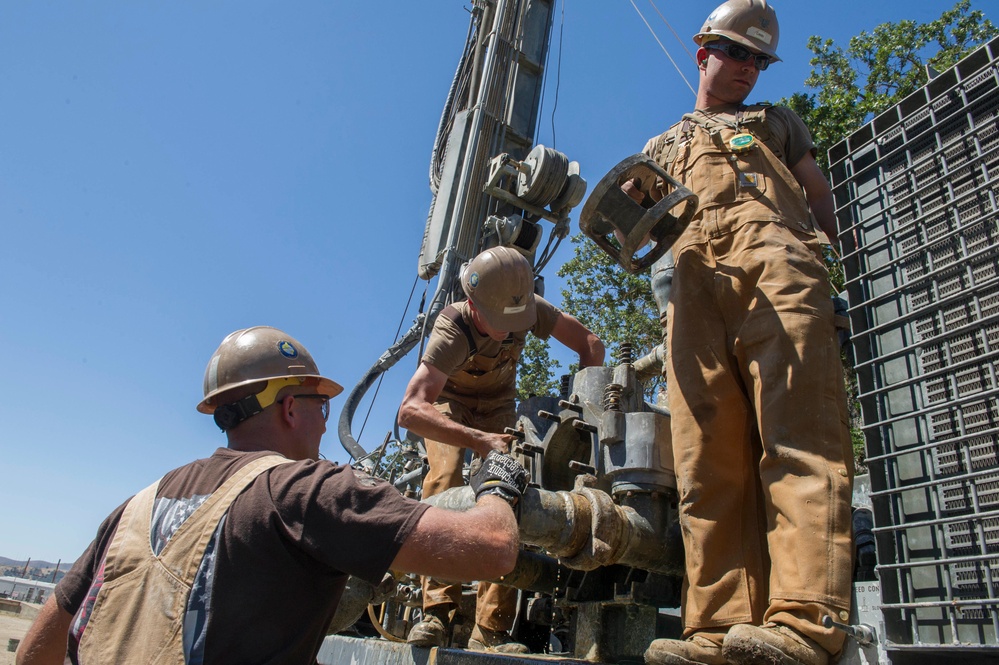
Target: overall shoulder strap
[(754, 117), (667, 146), (130, 542), (183, 553), (451, 312)]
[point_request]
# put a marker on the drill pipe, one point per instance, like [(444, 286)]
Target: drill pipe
[(585, 529)]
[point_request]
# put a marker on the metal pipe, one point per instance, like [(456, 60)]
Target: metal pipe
[(585, 529), (406, 478)]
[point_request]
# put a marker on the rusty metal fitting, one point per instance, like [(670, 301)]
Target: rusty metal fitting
[(606, 533)]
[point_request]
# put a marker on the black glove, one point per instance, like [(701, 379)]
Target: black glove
[(500, 475)]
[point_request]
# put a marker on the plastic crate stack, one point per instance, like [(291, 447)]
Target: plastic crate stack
[(917, 198)]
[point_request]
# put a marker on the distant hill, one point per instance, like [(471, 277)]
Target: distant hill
[(40, 571), (4, 561)]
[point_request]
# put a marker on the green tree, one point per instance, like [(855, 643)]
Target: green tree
[(879, 69), (614, 304), (535, 374)]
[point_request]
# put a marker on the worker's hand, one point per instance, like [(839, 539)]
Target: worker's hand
[(500, 475), (499, 442), (633, 188)]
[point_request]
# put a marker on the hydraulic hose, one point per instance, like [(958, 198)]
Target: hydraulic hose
[(394, 353)]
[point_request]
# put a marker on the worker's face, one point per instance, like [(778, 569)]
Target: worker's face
[(311, 411), (483, 326), (724, 79)]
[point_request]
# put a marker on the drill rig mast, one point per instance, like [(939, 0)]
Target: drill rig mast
[(491, 185)]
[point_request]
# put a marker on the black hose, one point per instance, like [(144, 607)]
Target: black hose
[(383, 364), (347, 439)]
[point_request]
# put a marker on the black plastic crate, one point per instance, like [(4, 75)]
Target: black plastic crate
[(917, 198)]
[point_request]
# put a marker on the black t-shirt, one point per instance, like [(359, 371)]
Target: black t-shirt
[(284, 551)]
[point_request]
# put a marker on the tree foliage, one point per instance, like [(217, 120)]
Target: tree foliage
[(612, 303), (535, 374), (879, 69)]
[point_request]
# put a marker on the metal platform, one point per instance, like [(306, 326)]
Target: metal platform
[(340, 649)]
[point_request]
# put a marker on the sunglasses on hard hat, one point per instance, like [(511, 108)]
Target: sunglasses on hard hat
[(740, 53)]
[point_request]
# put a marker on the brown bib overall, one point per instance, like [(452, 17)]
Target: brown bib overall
[(138, 616), (481, 395), (760, 436)]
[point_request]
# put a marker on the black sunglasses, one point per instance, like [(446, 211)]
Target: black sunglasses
[(325, 405), (740, 53)]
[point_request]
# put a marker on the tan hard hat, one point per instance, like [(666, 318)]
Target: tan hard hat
[(500, 283), (752, 23), (257, 354)]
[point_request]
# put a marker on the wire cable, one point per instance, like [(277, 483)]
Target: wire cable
[(683, 44), (558, 70), (656, 37), (547, 253), (374, 397)]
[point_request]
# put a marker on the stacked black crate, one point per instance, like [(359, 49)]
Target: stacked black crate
[(917, 197)]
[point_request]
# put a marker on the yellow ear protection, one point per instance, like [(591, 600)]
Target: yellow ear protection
[(228, 416)]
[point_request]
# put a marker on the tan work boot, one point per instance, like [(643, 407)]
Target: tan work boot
[(695, 650), (497, 641), (431, 631), (771, 644)]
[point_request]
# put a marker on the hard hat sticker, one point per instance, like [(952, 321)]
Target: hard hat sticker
[(762, 35), (514, 310), (473, 280), (287, 350)]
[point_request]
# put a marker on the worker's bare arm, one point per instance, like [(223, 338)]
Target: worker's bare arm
[(477, 544), (46, 641), (417, 414), (817, 192), (574, 335)]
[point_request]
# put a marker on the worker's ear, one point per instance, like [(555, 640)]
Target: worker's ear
[(288, 411), (702, 57)]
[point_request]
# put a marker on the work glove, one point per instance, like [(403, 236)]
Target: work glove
[(500, 475)]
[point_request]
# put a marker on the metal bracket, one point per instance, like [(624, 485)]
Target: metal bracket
[(621, 226)]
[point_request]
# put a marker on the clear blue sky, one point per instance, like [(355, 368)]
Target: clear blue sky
[(173, 171)]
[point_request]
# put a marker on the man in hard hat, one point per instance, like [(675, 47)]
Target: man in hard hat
[(462, 396), (759, 425), (242, 557)]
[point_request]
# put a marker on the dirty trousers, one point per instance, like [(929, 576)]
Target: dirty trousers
[(496, 605), (760, 434)]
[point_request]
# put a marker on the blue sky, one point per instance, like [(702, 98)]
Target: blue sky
[(173, 171)]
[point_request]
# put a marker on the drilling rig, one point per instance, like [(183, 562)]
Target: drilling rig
[(602, 548), (602, 560)]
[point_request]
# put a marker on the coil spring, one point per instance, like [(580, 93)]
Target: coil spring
[(612, 396)]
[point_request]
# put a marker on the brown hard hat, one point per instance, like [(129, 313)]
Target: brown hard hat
[(500, 283), (257, 354), (752, 23)]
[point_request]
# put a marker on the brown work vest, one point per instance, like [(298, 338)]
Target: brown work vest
[(138, 616), (484, 382), (733, 187)]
